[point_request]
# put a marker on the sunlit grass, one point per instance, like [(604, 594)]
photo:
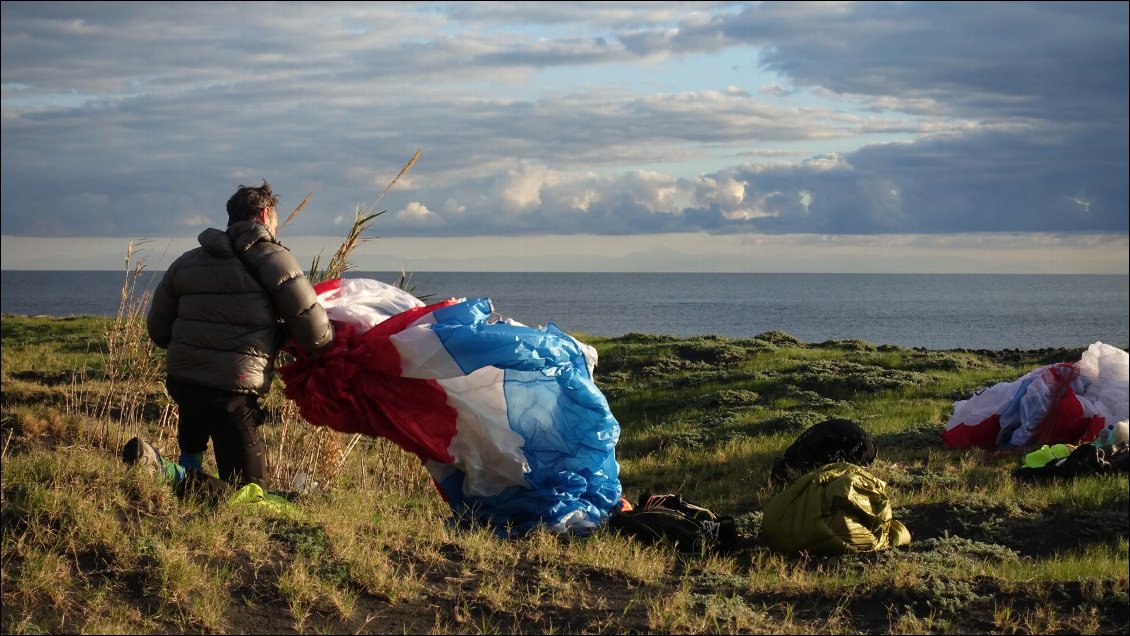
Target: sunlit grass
[(92, 546)]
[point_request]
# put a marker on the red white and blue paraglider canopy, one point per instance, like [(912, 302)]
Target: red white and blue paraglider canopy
[(505, 417), (1066, 402)]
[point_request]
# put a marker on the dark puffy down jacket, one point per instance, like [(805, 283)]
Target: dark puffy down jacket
[(220, 323)]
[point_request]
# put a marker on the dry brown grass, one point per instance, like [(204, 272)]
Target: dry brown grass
[(90, 546)]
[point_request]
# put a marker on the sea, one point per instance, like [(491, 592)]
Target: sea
[(931, 311)]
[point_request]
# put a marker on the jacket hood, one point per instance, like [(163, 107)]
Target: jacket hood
[(244, 234), (215, 242), (237, 238)]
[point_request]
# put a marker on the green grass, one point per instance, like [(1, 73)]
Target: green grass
[(90, 546)]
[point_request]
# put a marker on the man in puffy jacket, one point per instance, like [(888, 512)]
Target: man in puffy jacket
[(222, 311)]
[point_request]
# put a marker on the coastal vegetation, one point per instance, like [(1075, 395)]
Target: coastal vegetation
[(92, 546)]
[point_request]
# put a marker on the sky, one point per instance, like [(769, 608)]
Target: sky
[(576, 136)]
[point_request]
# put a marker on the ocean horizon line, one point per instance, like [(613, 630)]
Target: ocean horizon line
[(931, 310)]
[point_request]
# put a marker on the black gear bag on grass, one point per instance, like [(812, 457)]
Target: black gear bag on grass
[(1086, 459), (829, 442), (676, 521)]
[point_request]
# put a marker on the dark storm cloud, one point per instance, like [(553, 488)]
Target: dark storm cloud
[(126, 119)]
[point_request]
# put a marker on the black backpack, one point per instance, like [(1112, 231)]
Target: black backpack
[(673, 520), (1086, 459), (830, 441)]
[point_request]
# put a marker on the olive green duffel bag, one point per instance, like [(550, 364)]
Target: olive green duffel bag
[(835, 509)]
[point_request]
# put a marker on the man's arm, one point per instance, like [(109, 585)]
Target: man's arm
[(295, 299), (162, 312)]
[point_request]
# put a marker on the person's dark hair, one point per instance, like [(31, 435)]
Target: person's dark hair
[(247, 200)]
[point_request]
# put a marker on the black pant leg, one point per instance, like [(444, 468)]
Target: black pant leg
[(195, 410), (241, 454)]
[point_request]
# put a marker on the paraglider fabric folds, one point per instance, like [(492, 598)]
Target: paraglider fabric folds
[(1067, 402), (506, 418)]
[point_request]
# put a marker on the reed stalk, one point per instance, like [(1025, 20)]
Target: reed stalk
[(326, 458), (130, 367), (296, 211)]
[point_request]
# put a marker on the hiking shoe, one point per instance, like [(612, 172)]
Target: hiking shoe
[(139, 453)]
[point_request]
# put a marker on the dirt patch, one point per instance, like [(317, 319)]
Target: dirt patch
[(1028, 533)]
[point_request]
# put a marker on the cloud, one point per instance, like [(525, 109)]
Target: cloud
[(417, 214), (829, 118)]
